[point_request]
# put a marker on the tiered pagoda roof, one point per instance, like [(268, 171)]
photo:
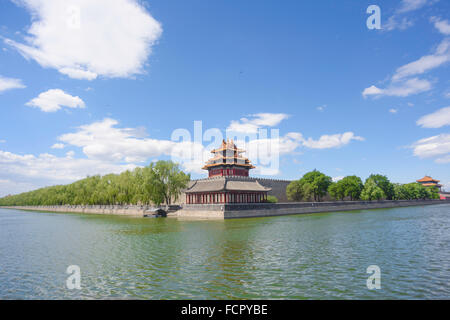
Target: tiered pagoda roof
[(428, 181), (228, 180), (228, 154)]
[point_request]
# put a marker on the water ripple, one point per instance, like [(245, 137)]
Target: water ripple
[(316, 256)]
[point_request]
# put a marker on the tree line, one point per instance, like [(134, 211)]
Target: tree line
[(162, 182), (158, 183), (314, 185)]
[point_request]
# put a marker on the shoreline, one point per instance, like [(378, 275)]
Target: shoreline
[(254, 210), (235, 210), (134, 211)]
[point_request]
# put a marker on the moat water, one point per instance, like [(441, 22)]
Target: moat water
[(314, 256)]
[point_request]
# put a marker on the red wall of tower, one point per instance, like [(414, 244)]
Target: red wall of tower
[(227, 172)]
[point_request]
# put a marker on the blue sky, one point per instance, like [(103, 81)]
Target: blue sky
[(94, 87)]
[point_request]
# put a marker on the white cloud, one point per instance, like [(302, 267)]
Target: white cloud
[(403, 89), (55, 169), (110, 149), (398, 19), (425, 63), (442, 25), (52, 100), (103, 141), (107, 149), (436, 119), (291, 141), (2, 141), (70, 154), (86, 38), (331, 141), (8, 186), (372, 90), (393, 111), (411, 5), (402, 85), (336, 179), (394, 22), (58, 146), (437, 147), (78, 74), (444, 159), (9, 84), (256, 121), (265, 153), (282, 145), (321, 108)]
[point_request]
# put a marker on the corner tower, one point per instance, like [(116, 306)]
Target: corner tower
[(228, 161)]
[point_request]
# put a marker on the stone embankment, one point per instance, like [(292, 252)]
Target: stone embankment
[(128, 210), (236, 210), (230, 211)]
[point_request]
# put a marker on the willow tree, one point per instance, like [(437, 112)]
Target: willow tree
[(157, 183), (166, 181), (371, 191), (384, 184)]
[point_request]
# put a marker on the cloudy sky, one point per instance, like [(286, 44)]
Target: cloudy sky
[(94, 87)]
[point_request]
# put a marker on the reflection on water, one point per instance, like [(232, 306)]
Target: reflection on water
[(294, 257)]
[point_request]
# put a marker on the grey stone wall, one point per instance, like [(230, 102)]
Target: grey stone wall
[(129, 210), (239, 210), (230, 211), (278, 187)]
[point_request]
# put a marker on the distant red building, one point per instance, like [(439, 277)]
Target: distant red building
[(429, 182)]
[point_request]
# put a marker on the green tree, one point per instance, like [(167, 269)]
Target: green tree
[(400, 192), (166, 181), (318, 182), (294, 191), (272, 199), (414, 191), (336, 191), (433, 193), (160, 182), (350, 186), (371, 191), (383, 183), (313, 185)]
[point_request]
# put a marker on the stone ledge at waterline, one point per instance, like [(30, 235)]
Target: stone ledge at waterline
[(126, 210), (237, 210)]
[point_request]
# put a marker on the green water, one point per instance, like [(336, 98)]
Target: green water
[(315, 256)]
